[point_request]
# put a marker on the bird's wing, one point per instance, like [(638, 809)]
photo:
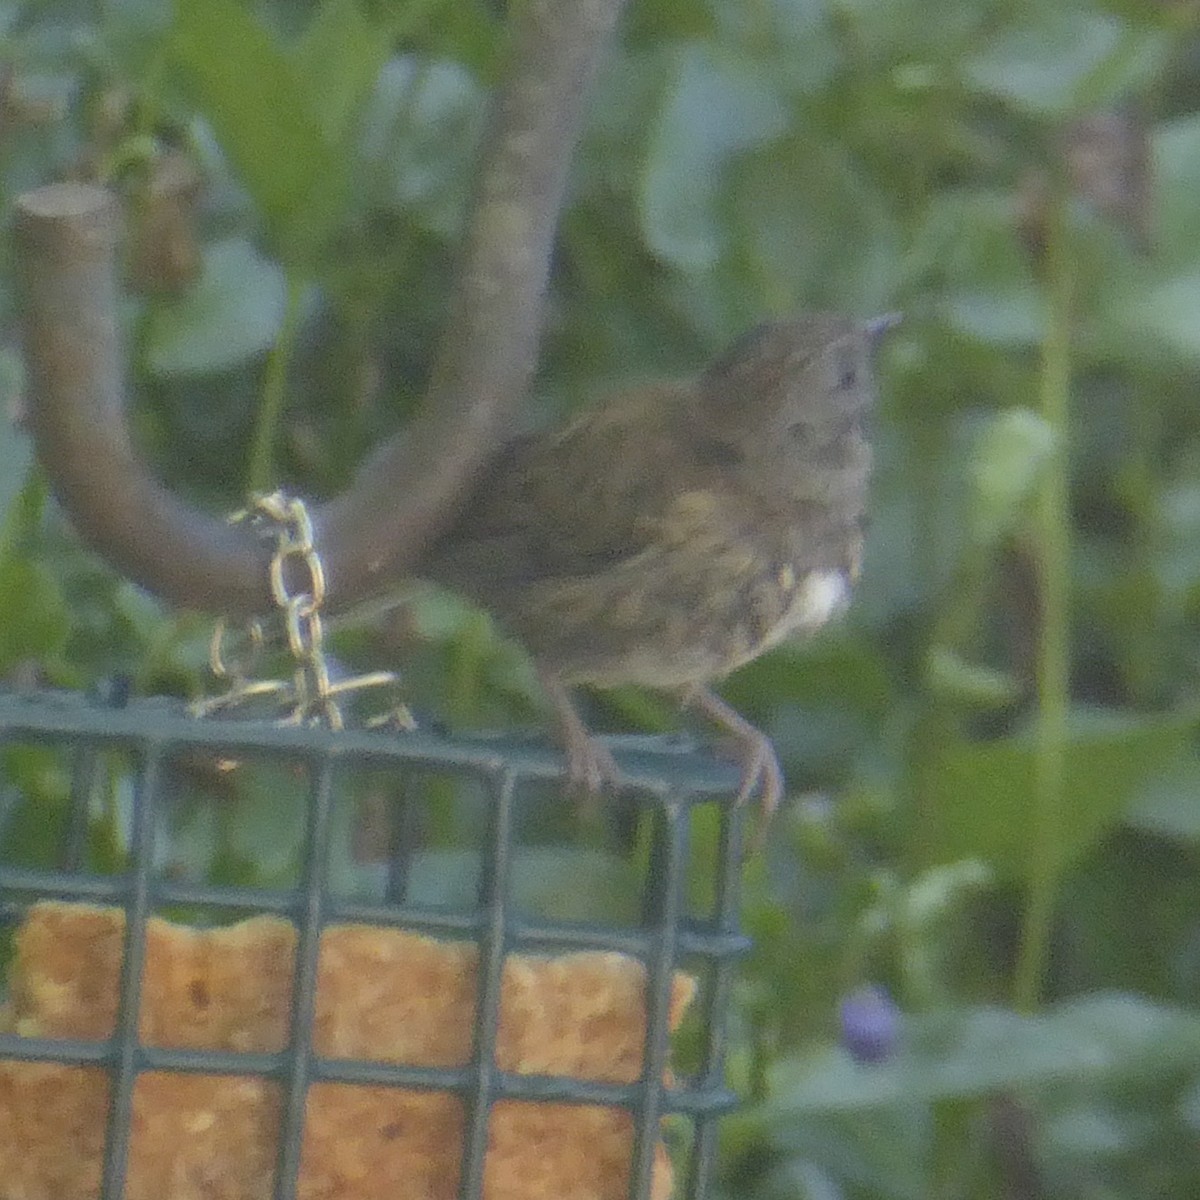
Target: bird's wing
[(565, 503)]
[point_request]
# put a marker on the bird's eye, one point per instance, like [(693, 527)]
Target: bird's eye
[(847, 375), (798, 431)]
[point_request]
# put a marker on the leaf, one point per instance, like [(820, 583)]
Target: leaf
[(958, 1055), (264, 117), (32, 803), (833, 669), (967, 246), (713, 108), (651, 20), (35, 621), (883, 1152), (1164, 316), (796, 39), (338, 58), (1066, 62), (234, 311), (1175, 155), (1002, 315), (951, 677), (136, 30), (1169, 805), (799, 202), (1006, 463), (421, 125), (980, 799)]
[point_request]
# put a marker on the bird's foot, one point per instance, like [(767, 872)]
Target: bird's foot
[(755, 753), (591, 767)]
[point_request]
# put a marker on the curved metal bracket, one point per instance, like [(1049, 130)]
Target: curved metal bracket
[(407, 492)]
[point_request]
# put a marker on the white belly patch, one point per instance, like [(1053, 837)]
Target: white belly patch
[(820, 596)]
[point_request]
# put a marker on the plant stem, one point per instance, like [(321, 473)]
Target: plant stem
[(1053, 660), (261, 474)]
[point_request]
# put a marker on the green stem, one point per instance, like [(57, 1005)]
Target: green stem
[(261, 474), (1053, 663)]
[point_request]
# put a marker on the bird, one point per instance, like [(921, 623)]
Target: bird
[(677, 530)]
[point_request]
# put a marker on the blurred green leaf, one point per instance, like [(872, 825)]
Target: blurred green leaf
[(1176, 567), (714, 106), (980, 798), (1169, 803), (950, 677), (421, 125), (968, 248), (266, 119), (136, 29), (232, 312), (1166, 316), (338, 58), (885, 1150), (36, 785), (796, 203), (1065, 61), (797, 38), (654, 20), (1175, 156), (833, 670), (263, 823), (1009, 454), (966, 235), (1004, 316), (954, 1055), (36, 622)]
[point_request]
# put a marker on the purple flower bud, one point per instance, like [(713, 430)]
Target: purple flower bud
[(869, 1024)]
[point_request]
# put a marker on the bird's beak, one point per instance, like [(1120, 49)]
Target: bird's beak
[(878, 327)]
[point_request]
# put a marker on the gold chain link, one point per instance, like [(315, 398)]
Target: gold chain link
[(297, 578)]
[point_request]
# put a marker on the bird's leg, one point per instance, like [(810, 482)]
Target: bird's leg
[(756, 754), (590, 765)]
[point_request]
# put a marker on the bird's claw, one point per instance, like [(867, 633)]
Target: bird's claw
[(760, 769), (591, 766), (755, 753)]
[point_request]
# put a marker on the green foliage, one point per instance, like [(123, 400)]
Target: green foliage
[(879, 1125), (282, 114), (714, 109), (955, 1055), (995, 789), (1105, 768), (1063, 61), (233, 311)]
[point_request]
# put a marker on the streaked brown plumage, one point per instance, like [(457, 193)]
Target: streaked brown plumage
[(677, 531)]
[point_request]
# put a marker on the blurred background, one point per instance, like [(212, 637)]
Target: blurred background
[(977, 927)]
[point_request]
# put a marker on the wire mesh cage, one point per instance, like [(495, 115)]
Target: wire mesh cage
[(420, 1027)]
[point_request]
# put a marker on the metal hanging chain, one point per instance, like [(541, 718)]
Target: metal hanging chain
[(298, 590)]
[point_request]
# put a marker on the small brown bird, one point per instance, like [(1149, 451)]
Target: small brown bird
[(677, 531)]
